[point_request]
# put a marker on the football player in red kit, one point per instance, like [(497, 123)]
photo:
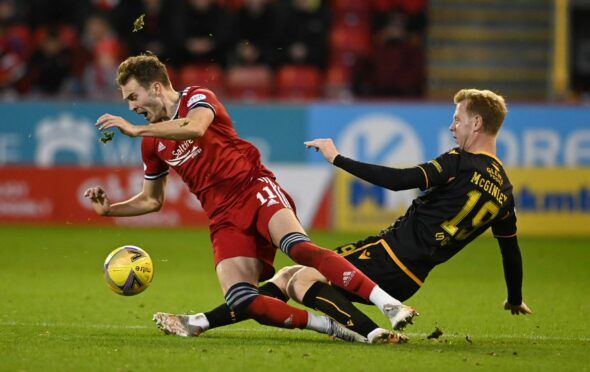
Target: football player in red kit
[(250, 215)]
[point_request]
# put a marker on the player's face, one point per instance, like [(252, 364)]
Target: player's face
[(462, 125), (143, 101)]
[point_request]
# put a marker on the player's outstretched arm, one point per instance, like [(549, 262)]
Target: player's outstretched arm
[(390, 178), (325, 146), (512, 262), (98, 199), (150, 199), (517, 309), (193, 126)]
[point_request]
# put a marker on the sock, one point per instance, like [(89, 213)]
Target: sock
[(328, 300), (333, 266), (270, 311), (222, 315), (318, 323), (271, 290), (199, 320), (380, 298), (245, 297)]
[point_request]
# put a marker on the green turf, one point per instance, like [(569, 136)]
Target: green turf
[(56, 313)]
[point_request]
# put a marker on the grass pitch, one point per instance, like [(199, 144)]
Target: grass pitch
[(56, 313)]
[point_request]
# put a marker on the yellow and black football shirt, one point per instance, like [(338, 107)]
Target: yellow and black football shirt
[(465, 193)]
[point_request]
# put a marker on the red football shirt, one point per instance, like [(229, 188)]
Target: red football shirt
[(216, 166)]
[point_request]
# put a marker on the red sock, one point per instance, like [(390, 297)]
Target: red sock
[(334, 267), (270, 311)]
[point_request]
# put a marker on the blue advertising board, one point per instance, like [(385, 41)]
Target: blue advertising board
[(48, 133), (399, 134)]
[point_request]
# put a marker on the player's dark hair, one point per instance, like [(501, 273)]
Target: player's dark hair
[(486, 103), (145, 68)]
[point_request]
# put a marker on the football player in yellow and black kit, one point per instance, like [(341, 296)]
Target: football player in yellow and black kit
[(466, 192)]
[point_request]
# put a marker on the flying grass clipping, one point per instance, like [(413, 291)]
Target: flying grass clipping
[(137, 26), (106, 137), (138, 23)]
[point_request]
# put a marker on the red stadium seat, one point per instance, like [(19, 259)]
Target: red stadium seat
[(250, 82), (349, 46), (407, 6), (338, 83), (350, 39), (209, 76), (344, 6), (299, 82), (21, 35), (67, 35), (231, 5)]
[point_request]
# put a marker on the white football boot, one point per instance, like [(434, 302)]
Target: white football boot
[(385, 336), (337, 330), (177, 324), (400, 315)]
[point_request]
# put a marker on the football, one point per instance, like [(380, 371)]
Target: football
[(128, 270)]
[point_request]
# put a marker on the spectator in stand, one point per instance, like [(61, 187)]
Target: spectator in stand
[(304, 30), (12, 60), (14, 47), (98, 82), (102, 54), (155, 35), (12, 12), (50, 66), (97, 28), (205, 30), (255, 26), (397, 65)]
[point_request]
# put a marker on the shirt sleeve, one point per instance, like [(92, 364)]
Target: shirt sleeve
[(153, 166), (505, 225), (390, 178), (436, 172), (512, 263), (201, 97), (441, 170)]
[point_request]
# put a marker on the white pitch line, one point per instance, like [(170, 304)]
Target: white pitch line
[(473, 337)]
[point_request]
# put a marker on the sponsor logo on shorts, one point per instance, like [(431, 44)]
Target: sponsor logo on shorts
[(366, 255)]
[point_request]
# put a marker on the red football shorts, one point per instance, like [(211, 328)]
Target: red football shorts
[(242, 229)]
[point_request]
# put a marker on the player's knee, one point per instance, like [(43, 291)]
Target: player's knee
[(240, 296), (282, 277), (301, 281)]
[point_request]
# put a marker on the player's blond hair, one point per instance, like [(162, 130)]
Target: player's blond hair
[(145, 68), (486, 103)]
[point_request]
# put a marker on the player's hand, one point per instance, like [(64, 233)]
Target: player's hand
[(517, 309), (325, 146), (98, 198), (107, 121)]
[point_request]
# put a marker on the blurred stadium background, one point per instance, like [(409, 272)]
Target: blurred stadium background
[(378, 76)]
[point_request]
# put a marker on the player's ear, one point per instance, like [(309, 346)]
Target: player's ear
[(157, 87), (477, 123)]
